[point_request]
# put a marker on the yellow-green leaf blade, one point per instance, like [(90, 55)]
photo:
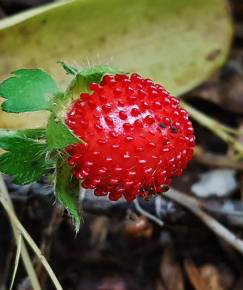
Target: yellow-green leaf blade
[(179, 43)]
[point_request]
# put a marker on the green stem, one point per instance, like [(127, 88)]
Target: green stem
[(216, 127)]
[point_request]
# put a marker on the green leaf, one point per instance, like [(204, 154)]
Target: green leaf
[(25, 166), (26, 158), (58, 134), (67, 190), (21, 139), (178, 43), (28, 90)]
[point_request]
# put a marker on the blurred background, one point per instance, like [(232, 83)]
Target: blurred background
[(193, 47)]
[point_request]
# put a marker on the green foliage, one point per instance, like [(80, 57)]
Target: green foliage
[(26, 158), (67, 190), (31, 153), (58, 135), (28, 90), (11, 140)]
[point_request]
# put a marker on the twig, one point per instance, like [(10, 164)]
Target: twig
[(147, 214), (16, 263), (31, 242), (24, 252), (48, 235), (194, 206)]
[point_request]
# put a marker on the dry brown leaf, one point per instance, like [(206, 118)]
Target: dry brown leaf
[(138, 228), (159, 286), (237, 8), (226, 93), (111, 283), (2, 14), (211, 274), (171, 273), (195, 277), (99, 231)]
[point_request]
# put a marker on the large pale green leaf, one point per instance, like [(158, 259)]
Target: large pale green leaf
[(176, 42)]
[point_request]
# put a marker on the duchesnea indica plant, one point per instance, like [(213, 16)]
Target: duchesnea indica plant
[(119, 134)]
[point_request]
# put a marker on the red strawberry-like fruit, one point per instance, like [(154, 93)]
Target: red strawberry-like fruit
[(136, 137)]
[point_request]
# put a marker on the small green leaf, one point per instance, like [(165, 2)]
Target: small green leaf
[(67, 190), (20, 139), (58, 134), (28, 90), (26, 159), (25, 166)]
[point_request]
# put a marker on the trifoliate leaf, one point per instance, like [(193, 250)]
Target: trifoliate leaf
[(28, 90), (26, 158), (58, 134), (67, 190)]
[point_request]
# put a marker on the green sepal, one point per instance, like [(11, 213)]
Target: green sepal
[(70, 70), (67, 191), (90, 75), (26, 160), (58, 134), (28, 90), (80, 84)]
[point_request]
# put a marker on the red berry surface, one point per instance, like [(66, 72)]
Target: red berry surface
[(137, 137)]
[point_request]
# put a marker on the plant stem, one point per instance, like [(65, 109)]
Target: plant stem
[(47, 240), (16, 263), (216, 127), (24, 252), (147, 214), (31, 243), (194, 206)]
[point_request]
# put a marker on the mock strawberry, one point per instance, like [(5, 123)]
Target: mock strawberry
[(136, 135)]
